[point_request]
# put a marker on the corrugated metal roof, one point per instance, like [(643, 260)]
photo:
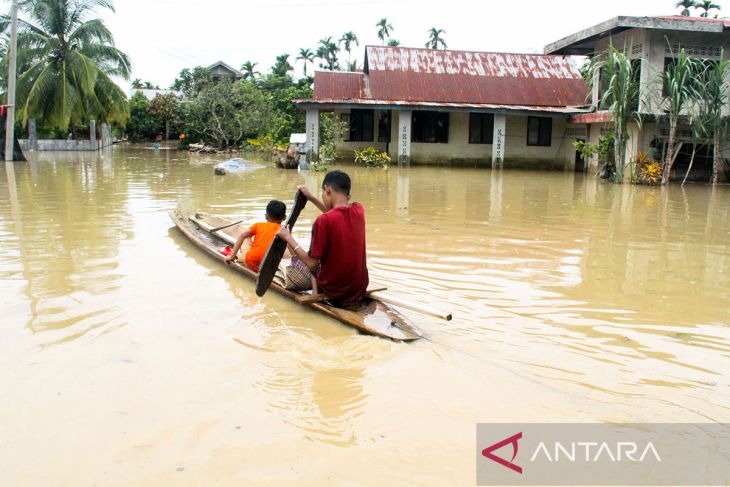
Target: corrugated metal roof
[(339, 85), (428, 76), (469, 63)]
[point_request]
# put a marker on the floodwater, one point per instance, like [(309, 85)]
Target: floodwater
[(127, 357)]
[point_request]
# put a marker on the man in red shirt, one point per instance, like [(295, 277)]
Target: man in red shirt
[(336, 255)]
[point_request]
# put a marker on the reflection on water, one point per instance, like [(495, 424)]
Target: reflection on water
[(612, 297)]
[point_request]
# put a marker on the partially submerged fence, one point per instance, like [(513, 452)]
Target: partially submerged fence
[(96, 141)]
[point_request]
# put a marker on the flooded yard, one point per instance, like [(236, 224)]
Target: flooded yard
[(129, 357)]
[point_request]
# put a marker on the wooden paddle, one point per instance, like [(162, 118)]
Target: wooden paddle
[(273, 256), (223, 227)]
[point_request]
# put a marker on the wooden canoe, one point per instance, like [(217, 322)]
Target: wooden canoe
[(369, 316)]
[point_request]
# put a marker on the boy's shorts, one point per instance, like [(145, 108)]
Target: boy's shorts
[(295, 275)]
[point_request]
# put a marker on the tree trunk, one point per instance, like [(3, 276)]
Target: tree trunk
[(669, 157), (167, 129), (716, 158), (691, 161)]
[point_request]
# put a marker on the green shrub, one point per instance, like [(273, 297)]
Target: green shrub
[(370, 157)]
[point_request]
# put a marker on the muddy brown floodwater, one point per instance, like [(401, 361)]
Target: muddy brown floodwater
[(127, 357)]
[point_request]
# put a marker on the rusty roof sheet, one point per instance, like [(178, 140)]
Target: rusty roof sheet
[(468, 63), (339, 85), (428, 76)]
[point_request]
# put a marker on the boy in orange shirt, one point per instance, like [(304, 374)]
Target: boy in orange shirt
[(263, 233)]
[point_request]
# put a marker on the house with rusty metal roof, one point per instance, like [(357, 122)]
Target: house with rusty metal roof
[(652, 43), (442, 106)]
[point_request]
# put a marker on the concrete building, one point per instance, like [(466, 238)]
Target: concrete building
[(653, 42), (470, 108), (525, 110), (220, 71)]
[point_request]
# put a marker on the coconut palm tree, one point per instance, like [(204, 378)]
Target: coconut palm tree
[(384, 29), (137, 84), (327, 52), (72, 60), (249, 70), (307, 56), (707, 5), (434, 38), (393, 42), (685, 5), (348, 39)]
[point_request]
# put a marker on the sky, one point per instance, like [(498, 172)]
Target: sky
[(164, 36)]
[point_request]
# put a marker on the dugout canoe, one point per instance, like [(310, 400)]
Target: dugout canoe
[(369, 316)]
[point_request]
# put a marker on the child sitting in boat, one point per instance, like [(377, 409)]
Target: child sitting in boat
[(262, 233), (336, 258)]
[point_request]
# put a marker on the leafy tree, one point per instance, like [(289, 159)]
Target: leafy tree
[(621, 98), (286, 117), (191, 82), (384, 29), (225, 114), (393, 42), (272, 82), (685, 5), (707, 5), (249, 70), (434, 38), (142, 125), (71, 61), (307, 56), (165, 107), (327, 52), (348, 39), (138, 84), (281, 66)]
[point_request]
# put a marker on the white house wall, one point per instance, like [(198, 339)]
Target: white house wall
[(560, 154)]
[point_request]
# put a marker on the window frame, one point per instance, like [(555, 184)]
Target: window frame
[(485, 136), (357, 120), (545, 125), (424, 121)]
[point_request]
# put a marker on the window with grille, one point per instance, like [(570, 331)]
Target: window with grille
[(481, 128), (539, 131), (430, 127)]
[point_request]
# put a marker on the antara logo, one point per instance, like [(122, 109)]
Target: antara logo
[(487, 452)]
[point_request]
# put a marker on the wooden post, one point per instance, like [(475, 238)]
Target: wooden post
[(404, 137), (498, 140), (312, 121)]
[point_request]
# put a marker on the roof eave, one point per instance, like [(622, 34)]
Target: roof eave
[(566, 111), (583, 42)]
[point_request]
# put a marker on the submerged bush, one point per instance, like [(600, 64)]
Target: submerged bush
[(370, 157), (646, 170)]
